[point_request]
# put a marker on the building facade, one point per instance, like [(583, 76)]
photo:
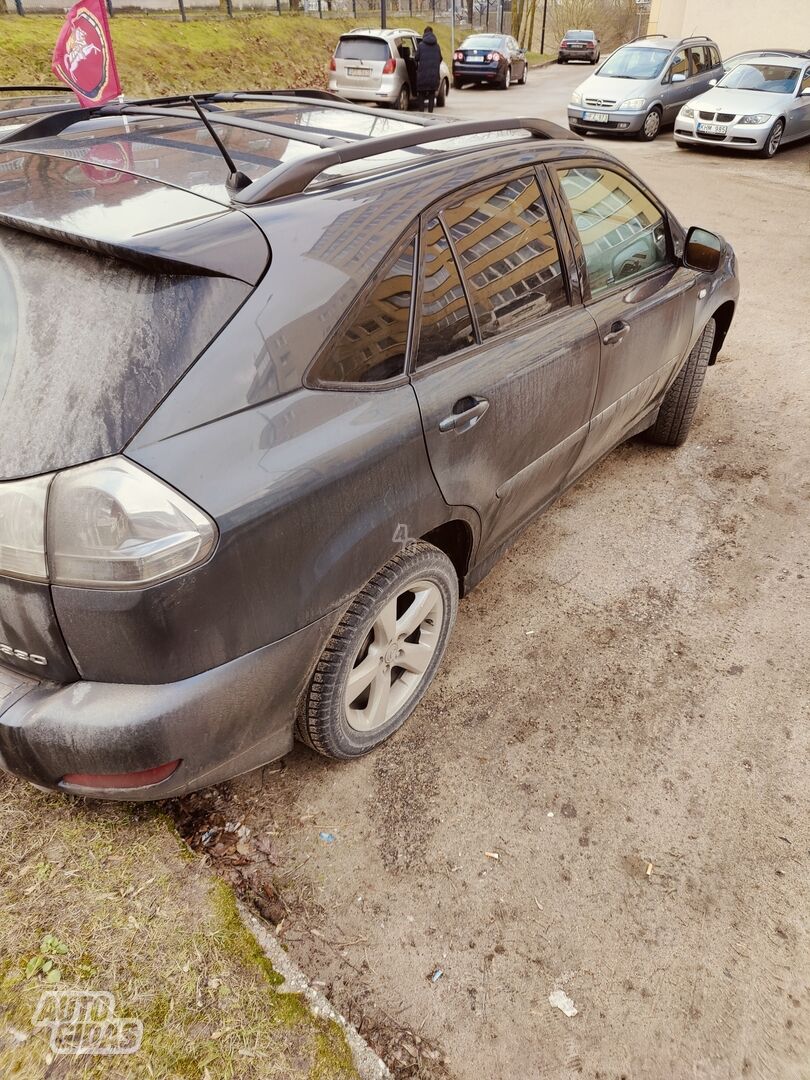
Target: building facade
[(736, 25)]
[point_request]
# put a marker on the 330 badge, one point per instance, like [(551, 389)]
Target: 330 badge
[(20, 654)]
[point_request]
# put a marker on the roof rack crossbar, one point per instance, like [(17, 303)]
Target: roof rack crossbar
[(36, 89), (293, 177), (643, 37)]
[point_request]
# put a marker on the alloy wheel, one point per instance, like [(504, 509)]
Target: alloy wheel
[(392, 660), (775, 137)]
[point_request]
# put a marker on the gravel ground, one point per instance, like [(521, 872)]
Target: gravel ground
[(621, 719)]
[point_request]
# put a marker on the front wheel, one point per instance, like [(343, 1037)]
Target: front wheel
[(680, 402), (382, 656), (773, 140), (651, 125), (444, 90), (524, 78)]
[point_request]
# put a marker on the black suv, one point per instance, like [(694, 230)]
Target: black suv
[(280, 379)]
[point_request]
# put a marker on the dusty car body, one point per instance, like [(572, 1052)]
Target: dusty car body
[(261, 428)]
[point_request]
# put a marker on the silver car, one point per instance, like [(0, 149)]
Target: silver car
[(641, 86), (757, 106), (380, 65)]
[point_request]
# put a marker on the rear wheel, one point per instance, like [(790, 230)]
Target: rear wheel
[(403, 99), (561, 60), (651, 125), (506, 81), (457, 84), (382, 656), (680, 402), (773, 140), (444, 90)]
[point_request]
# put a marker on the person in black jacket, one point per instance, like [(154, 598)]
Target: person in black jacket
[(428, 67)]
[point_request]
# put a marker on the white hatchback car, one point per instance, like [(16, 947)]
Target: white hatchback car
[(757, 105), (380, 65)]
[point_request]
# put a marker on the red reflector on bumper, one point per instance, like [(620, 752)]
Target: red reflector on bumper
[(122, 780)]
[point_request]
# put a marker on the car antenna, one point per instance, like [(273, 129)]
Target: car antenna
[(236, 180)]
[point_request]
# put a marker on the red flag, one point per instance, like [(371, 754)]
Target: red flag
[(83, 57)]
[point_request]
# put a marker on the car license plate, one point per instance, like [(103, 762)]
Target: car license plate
[(358, 72), (475, 59), (596, 117), (713, 129)]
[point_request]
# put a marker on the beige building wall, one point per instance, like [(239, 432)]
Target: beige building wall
[(736, 25)]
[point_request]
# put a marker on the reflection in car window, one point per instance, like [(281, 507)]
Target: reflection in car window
[(679, 66), (446, 322), (372, 348), (635, 63), (509, 255), (770, 78), (623, 234)]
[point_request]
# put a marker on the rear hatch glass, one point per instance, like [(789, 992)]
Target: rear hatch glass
[(362, 48), (89, 346)]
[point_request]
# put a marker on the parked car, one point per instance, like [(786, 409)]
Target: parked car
[(641, 86), (496, 59), (758, 105), (380, 66), (290, 407), (741, 58), (579, 45)]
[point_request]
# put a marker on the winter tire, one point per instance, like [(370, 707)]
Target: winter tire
[(382, 656), (678, 407)]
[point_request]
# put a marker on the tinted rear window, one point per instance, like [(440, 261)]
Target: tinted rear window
[(362, 48), (483, 41), (89, 346)]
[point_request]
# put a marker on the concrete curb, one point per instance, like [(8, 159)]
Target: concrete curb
[(367, 1063)]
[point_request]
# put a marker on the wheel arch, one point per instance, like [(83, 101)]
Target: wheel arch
[(455, 539), (722, 319)]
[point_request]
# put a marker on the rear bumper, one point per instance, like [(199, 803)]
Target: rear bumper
[(220, 723), (477, 72), (387, 92), (623, 123), (577, 54), (737, 136)]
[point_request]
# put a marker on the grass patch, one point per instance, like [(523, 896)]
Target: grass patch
[(158, 55), (97, 896)]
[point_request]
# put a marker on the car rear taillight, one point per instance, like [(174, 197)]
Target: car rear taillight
[(122, 781), (22, 528), (390, 67), (113, 525), (332, 65), (458, 55), (106, 525), (493, 56)]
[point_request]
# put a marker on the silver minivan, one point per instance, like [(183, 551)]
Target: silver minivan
[(380, 65), (642, 85)]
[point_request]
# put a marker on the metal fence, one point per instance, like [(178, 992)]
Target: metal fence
[(492, 15)]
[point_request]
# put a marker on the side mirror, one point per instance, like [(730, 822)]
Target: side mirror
[(678, 76), (703, 250), (712, 82)]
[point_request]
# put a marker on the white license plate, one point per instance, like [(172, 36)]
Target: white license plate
[(596, 117), (358, 72), (475, 59), (712, 129)]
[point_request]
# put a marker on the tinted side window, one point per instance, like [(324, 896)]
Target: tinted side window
[(509, 255), (446, 323), (679, 65), (372, 347), (623, 234)]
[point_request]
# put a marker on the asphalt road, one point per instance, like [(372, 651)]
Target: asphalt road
[(622, 717)]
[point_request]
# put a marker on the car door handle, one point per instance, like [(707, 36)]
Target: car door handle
[(465, 415), (616, 332)]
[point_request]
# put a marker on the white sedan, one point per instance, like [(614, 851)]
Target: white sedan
[(757, 106)]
